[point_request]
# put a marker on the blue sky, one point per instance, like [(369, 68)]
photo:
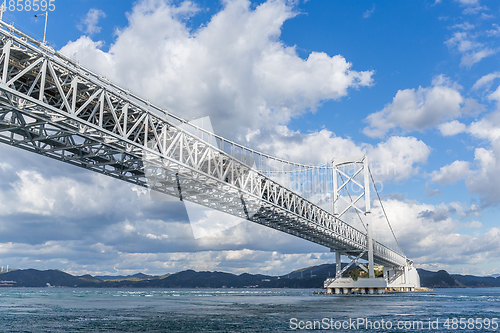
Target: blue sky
[(413, 84)]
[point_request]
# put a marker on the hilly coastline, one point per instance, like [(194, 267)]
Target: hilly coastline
[(310, 277)]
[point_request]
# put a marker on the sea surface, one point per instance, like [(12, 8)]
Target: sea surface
[(245, 310)]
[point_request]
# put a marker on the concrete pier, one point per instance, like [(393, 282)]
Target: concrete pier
[(346, 286)]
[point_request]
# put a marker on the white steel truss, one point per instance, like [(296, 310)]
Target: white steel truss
[(52, 106)]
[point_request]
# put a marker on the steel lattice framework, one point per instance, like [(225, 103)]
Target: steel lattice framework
[(51, 106)]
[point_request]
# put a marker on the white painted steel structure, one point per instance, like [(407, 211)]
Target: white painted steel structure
[(52, 106)]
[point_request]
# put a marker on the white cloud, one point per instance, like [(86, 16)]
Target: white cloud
[(89, 24), (60, 196), (432, 192), (85, 48), (471, 6), (472, 51), (233, 69), (486, 80), (5, 166), (464, 26), (452, 128), (473, 57), (315, 148), (495, 96), (485, 16), (495, 31), (417, 109), (468, 2), (451, 173), (484, 180), (80, 258), (398, 158), (473, 225), (433, 240), (472, 10), (369, 12), (395, 159), (486, 128)]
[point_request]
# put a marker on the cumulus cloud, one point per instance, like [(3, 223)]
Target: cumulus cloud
[(484, 180), (89, 24), (451, 173), (139, 234), (452, 128), (95, 224), (233, 69), (86, 48), (487, 128), (433, 240), (396, 159), (418, 109), (98, 259), (399, 157)]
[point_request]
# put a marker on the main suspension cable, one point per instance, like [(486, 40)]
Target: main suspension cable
[(383, 209)]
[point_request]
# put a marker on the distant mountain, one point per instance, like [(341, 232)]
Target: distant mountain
[(36, 278), (478, 281), (310, 277), (127, 277), (324, 271), (439, 279)]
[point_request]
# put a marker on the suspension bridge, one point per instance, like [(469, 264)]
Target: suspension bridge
[(52, 106)]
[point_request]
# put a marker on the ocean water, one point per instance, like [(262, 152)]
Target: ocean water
[(245, 310)]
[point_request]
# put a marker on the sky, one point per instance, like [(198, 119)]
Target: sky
[(415, 85)]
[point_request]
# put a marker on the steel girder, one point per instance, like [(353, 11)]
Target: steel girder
[(51, 106)]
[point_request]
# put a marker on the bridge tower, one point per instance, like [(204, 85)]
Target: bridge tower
[(351, 195)]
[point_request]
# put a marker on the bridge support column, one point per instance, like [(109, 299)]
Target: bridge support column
[(338, 264), (386, 273), (371, 269)]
